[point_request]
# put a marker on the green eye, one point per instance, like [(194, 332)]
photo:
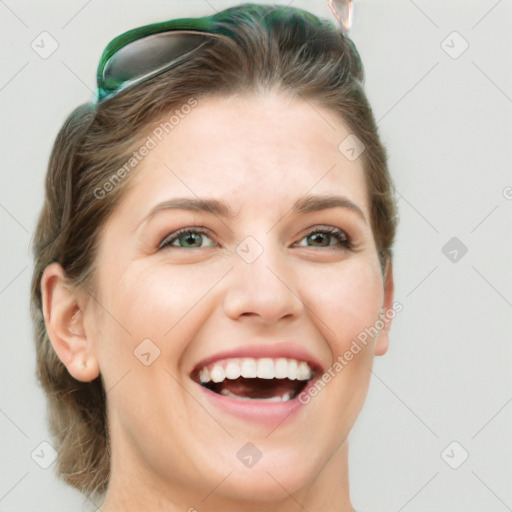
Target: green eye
[(194, 238), (322, 237), (190, 240), (319, 239), (186, 238)]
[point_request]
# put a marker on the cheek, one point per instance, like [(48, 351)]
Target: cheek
[(345, 300), (157, 302)]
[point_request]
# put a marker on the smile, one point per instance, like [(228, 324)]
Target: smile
[(262, 379)]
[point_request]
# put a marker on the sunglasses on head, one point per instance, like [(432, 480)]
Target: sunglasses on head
[(145, 52)]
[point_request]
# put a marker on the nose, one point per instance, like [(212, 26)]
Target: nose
[(263, 290)]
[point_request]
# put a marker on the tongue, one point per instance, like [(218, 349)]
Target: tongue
[(260, 388)]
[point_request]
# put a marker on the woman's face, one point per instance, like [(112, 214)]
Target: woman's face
[(278, 265)]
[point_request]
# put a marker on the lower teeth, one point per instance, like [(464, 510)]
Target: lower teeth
[(283, 398)]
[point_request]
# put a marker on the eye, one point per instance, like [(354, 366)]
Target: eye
[(324, 236), (186, 238)]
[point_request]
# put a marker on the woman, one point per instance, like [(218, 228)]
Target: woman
[(213, 267)]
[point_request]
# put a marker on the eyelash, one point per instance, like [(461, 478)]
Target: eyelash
[(167, 241), (341, 237)]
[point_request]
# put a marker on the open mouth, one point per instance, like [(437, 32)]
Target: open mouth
[(264, 379)]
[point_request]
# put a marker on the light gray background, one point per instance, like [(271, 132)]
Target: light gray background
[(447, 123)]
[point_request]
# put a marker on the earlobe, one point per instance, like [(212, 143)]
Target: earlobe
[(382, 344), (64, 319)]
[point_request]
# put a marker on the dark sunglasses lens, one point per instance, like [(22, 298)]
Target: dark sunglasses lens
[(149, 56)]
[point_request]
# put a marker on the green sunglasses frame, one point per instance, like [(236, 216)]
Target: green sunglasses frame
[(107, 87), (215, 26)]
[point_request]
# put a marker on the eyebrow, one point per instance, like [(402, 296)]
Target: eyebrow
[(308, 204), (303, 205), (213, 206)]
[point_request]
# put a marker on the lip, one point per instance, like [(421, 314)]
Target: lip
[(269, 414)]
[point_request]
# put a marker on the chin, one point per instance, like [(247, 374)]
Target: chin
[(279, 472)]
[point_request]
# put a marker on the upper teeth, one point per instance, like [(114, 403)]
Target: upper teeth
[(249, 368)]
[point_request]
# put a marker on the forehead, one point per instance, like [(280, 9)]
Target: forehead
[(256, 152)]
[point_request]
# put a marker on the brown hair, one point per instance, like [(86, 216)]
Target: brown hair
[(271, 49)]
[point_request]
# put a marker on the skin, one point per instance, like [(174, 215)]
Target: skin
[(171, 450)]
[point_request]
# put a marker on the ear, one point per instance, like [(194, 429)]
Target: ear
[(63, 311), (382, 344)]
